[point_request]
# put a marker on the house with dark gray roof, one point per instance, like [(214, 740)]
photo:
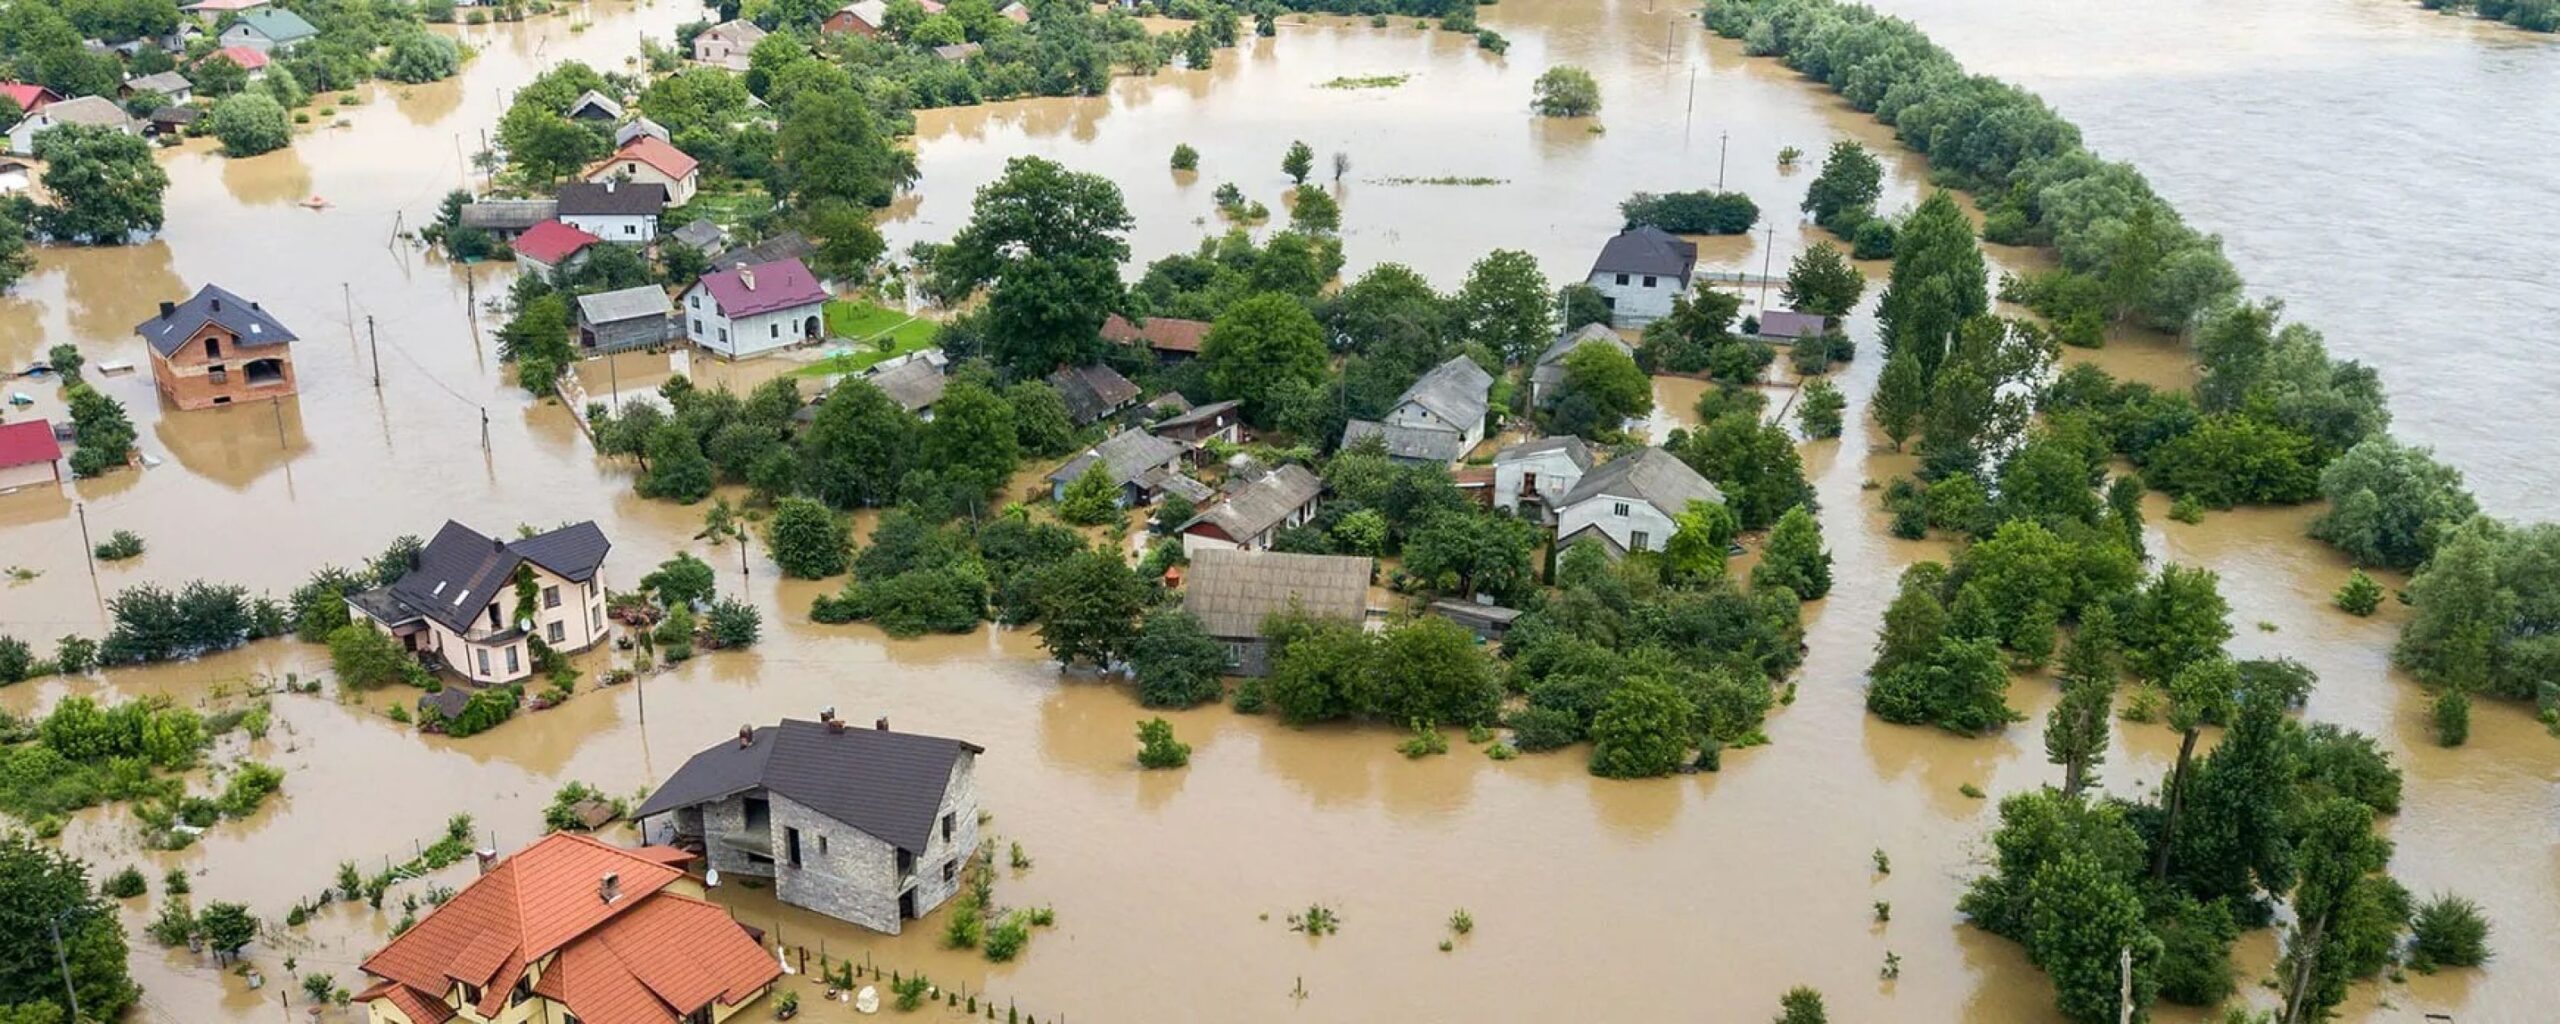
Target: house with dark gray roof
[(594, 106), (1439, 418), (1627, 504), (861, 824), (1640, 271), (1788, 326), (786, 245), (508, 218), (217, 348), (1218, 421), (481, 605), (1539, 473), (1093, 392), (1142, 465), (1546, 377), (915, 381), (1253, 514), (1233, 592), (704, 235), (613, 210)]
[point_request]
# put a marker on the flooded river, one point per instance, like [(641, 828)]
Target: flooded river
[(1696, 898)]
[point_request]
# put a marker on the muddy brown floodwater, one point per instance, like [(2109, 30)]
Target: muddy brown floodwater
[(1691, 898)]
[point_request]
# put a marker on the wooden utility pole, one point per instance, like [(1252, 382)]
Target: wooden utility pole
[(87, 550), (484, 428), (277, 403), (1721, 139), (1768, 261), (374, 342)]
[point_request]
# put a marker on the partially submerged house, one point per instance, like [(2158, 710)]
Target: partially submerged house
[(1640, 271), (169, 85), (217, 348), (1172, 340), (1093, 392), (572, 929), (1786, 326), (29, 455), (477, 603), (270, 30), (613, 211), (1488, 622), (1538, 474), (506, 219), (1628, 503), (1234, 592), (1253, 514), (594, 106), (863, 825), (1141, 465), (727, 44), (650, 160), (748, 311), (552, 245), (96, 111), (1449, 400), (1546, 378), (625, 318)]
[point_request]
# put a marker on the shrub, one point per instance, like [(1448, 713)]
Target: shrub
[(1006, 939), (1426, 740), (1534, 729), (120, 545), (1185, 158), (125, 884), (2360, 596), (248, 124), (2449, 931), (1157, 748), (734, 623), (2453, 718)]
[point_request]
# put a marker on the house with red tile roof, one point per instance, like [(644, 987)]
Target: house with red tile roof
[(592, 932), (252, 60), (551, 245), (29, 98), (749, 310), (648, 159), (29, 455), (1171, 339)]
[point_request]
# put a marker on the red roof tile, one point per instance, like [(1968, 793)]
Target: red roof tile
[(28, 97), (551, 242), (1161, 333), (27, 442), (654, 151), (248, 59)]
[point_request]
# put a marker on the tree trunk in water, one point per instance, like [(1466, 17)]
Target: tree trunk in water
[(2303, 960), (2071, 771), (2170, 801)]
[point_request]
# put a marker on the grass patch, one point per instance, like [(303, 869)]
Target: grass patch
[(728, 207), (869, 326), (1366, 82), (1445, 179)]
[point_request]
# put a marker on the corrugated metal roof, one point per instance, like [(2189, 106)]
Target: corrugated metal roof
[(633, 303), (1454, 391)]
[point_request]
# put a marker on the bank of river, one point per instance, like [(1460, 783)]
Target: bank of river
[(1689, 898)]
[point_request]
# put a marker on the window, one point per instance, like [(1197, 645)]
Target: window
[(822, 844), (948, 822), (697, 327), (1639, 541), (1619, 510), (791, 846), (557, 633), (213, 348), (1648, 281), (524, 990), (950, 871), (773, 330), (695, 300), (630, 229), (551, 596), (484, 661), (511, 659), (1622, 279), (470, 993), (219, 374), (724, 335)]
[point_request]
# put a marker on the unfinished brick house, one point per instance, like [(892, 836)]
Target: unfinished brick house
[(217, 349)]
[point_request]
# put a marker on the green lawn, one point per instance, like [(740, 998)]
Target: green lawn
[(727, 206), (867, 326)]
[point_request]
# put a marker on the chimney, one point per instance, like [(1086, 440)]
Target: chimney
[(497, 545), (882, 724), (746, 736), (609, 888), (834, 724), (747, 277), (168, 309), (827, 714), (487, 857), (608, 185)]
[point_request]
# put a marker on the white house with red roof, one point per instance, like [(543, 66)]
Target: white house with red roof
[(251, 60), (572, 929), (29, 455), (551, 245), (650, 160), (747, 311)]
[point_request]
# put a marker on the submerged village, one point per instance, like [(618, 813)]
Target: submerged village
[(637, 512)]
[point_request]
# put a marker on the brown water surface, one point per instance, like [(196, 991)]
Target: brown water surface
[(1699, 897)]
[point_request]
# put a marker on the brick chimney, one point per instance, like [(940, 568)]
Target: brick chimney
[(609, 887), (882, 724), (746, 736), (747, 277)]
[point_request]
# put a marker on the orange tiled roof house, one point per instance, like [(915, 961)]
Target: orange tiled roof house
[(572, 930)]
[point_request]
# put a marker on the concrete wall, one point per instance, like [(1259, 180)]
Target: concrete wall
[(30, 475), (679, 190), (1636, 303), (1601, 511), (625, 229), (846, 873), (1412, 414), (707, 326), (192, 379)]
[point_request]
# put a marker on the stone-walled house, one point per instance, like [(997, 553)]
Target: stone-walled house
[(217, 348), (460, 601), (863, 825), (572, 929)]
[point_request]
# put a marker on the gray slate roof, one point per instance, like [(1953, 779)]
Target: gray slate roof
[(606, 105), (638, 127), (787, 245), (250, 326), (887, 784), (1092, 391), (508, 214), (1571, 446), (1650, 474), (1126, 457), (1564, 346), (701, 234), (1454, 391), (915, 384), (1262, 504), (1419, 444), (459, 571), (1196, 414), (613, 199), (89, 110), (1232, 591), (1789, 324), (633, 303), (1645, 249), (166, 83)]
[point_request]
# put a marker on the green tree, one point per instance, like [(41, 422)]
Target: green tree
[(2075, 731), (105, 185), (1845, 193), (1320, 670), (1158, 749), (1314, 211), (2449, 931), (1185, 158), (1583, 305), (2338, 852), (1802, 1005), (1755, 464), (1052, 241), (2083, 919), (1467, 553), (40, 889), (1040, 418), (857, 447), (217, 76), (1300, 160), (973, 439), (1794, 557), (1089, 605), (2178, 620), (2390, 504), (367, 657), (1091, 499), (1938, 283), (1610, 382), (808, 539), (543, 145), (2469, 601), (678, 471), (536, 340), (2203, 691), (100, 429), (1643, 729), (227, 928), (1820, 280), (420, 56), (1700, 536), (830, 145), (1566, 91), (1900, 395), (1177, 662), (1504, 306), (681, 581), (846, 243), (1820, 409), (1430, 669), (15, 262), (1259, 344), (2360, 596)]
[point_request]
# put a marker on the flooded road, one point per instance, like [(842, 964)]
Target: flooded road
[(1690, 898)]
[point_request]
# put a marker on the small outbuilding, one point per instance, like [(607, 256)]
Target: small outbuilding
[(623, 319), (29, 455)]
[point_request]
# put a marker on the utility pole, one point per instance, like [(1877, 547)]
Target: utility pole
[(64, 963), (1768, 262), (277, 403), (347, 297), (1721, 138), (613, 370), (88, 550), (374, 342), (742, 553), (484, 429), (1693, 95)]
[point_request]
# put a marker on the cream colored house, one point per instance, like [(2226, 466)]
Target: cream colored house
[(479, 604)]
